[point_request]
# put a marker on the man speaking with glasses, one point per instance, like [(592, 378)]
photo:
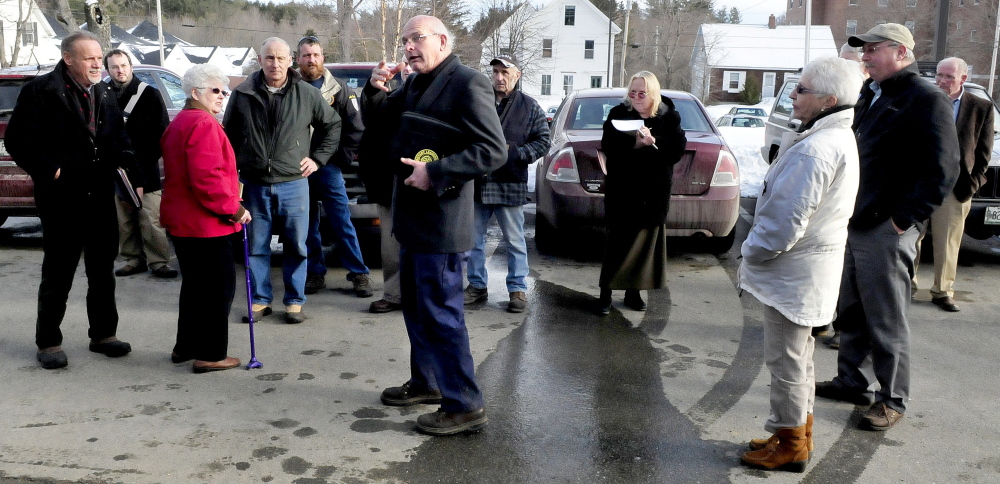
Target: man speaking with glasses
[(282, 131), (908, 151), (441, 131)]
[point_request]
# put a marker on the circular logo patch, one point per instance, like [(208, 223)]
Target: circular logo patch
[(426, 156)]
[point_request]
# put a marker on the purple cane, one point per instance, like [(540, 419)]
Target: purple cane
[(246, 264)]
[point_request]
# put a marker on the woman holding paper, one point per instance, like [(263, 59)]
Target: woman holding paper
[(793, 256), (201, 209), (642, 141)]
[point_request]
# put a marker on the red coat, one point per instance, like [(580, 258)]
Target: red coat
[(201, 189)]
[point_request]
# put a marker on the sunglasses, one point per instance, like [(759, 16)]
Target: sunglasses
[(637, 94), (805, 90), (215, 90)]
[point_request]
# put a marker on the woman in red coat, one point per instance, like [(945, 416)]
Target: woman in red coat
[(200, 210)]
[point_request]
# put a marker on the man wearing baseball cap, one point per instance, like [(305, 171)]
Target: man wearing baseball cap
[(909, 155), (503, 192)]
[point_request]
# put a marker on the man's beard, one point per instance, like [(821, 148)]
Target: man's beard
[(312, 72)]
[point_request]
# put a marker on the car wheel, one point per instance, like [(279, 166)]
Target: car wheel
[(721, 245), (546, 237)]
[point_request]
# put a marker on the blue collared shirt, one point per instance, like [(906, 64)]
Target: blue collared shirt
[(956, 102), (877, 90)]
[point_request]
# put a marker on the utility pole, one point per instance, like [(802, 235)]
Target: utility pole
[(628, 11)]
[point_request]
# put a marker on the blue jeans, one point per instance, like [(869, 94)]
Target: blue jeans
[(511, 221), (327, 186), (287, 203), (433, 310)]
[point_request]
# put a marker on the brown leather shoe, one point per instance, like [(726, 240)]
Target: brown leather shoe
[(383, 306), (786, 451), (201, 366), (518, 302), (946, 303), (448, 423), (880, 417), (757, 444), (131, 269)]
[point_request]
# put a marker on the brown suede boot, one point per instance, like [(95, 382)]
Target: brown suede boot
[(787, 451), (757, 444)]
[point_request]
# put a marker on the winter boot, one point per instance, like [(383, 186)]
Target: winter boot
[(787, 451), (757, 444)]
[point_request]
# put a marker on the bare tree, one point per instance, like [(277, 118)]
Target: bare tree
[(517, 33), (20, 24)]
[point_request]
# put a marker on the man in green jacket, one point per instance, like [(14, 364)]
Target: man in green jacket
[(268, 122)]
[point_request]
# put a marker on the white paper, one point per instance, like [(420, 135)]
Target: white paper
[(627, 124)]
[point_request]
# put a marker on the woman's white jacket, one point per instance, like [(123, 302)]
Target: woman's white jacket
[(793, 257)]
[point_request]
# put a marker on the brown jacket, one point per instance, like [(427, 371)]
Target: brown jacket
[(975, 141)]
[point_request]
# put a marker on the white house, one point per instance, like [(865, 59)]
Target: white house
[(38, 43), (564, 46), (726, 55)]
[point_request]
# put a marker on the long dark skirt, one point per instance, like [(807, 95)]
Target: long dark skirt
[(635, 258)]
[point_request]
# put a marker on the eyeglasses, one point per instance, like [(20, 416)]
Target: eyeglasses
[(870, 49), (637, 94), (805, 90), (413, 39), (215, 90)]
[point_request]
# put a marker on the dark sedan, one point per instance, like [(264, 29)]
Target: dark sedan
[(705, 197)]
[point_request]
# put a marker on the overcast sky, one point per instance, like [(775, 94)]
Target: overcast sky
[(754, 11)]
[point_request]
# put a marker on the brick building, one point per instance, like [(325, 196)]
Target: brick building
[(961, 28)]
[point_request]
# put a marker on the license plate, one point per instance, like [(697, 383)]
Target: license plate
[(992, 216)]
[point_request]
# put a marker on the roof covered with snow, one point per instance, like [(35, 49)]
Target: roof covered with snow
[(758, 47)]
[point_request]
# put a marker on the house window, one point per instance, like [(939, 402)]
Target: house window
[(567, 84), (588, 49), (883, 3), (546, 47), (958, 26), (791, 3), (913, 3), (30, 34), (570, 15), (961, 3), (909, 24), (852, 27), (975, 2), (972, 35), (732, 81), (800, 3), (853, 3), (546, 85), (879, 22), (595, 81)]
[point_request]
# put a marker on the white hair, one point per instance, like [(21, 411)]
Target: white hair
[(203, 76), (960, 64), (835, 76)]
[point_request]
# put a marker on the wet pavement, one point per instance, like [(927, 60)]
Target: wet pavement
[(671, 394)]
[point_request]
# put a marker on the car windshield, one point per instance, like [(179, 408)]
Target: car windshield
[(9, 89), (590, 113), (357, 77)]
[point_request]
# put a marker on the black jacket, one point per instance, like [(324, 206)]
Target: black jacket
[(267, 154), (638, 183), (144, 126), (908, 151), (527, 136), (439, 220), (46, 133)]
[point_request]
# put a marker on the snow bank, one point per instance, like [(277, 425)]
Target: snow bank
[(745, 144)]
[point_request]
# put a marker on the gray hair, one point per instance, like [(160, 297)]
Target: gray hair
[(835, 76), (853, 52), (203, 76), (70, 40), (961, 65), (278, 40)]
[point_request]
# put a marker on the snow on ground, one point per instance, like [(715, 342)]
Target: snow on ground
[(745, 144)]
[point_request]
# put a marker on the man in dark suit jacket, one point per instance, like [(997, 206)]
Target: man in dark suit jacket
[(443, 132), (974, 122), (67, 132)]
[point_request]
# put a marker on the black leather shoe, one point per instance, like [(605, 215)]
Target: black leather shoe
[(383, 306), (54, 360), (112, 349), (946, 303), (604, 302), (164, 272), (448, 423), (833, 391), (405, 395), (634, 300), (131, 269)]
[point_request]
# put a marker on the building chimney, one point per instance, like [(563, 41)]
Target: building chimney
[(771, 22)]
